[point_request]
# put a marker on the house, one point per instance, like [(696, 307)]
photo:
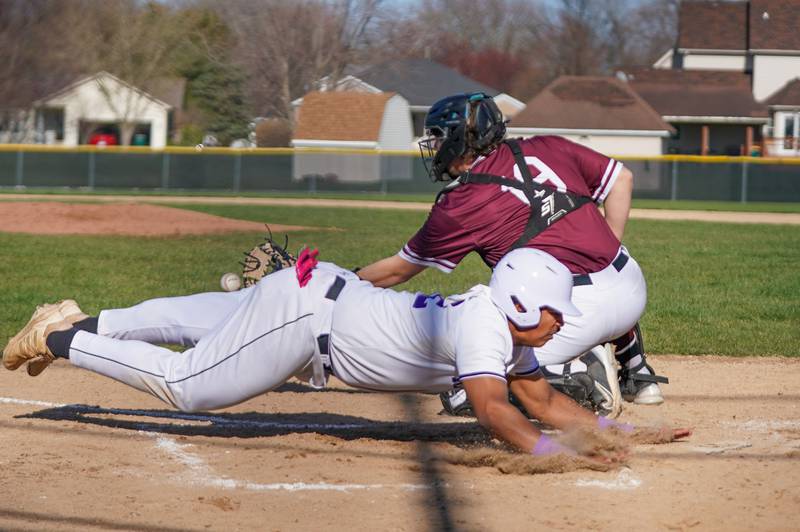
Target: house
[(784, 107), (421, 82), (371, 123), (603, 113), (759, 39), (712, 111), (102, 109)]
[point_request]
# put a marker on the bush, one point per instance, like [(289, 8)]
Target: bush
[(191, 135), (273, 133)]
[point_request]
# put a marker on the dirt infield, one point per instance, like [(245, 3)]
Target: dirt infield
[(81, 452), (56, 218), (649, 214)]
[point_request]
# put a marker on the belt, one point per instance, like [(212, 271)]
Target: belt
[(584, 279), (321, 364), (323, 340)]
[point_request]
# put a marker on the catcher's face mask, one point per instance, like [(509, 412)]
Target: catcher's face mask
[(439, 150), (457, 126)]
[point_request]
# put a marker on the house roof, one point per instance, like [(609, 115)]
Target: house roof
[(774, 25), (789, 94), (697, 92), (588, 102), (343, 116), (93, 77), (726, 25), (713, 25), (420, 81)]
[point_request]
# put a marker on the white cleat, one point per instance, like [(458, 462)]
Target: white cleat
[(649, 395)]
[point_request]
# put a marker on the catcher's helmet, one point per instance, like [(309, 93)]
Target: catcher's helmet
[(527, 280), (459, 124)]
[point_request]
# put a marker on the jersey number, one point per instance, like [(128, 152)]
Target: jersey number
[(422, 300), (545, 173)]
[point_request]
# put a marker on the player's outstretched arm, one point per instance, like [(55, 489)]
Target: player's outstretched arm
[(553, 408), (389, 271), (549, 405), (489, 398)]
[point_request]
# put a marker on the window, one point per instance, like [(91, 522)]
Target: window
[(788, 126), (791, 130), (53, 119)]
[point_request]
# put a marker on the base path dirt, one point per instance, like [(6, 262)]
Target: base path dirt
[(651, 214), (56, 218), (82, 452)]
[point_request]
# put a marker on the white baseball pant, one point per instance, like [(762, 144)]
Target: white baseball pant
[(245, 343), (611, 305)]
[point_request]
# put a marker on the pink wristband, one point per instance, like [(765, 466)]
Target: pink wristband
[(545, 446), (605, 423)]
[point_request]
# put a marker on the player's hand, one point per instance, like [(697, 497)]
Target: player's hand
[(306, 262), (678, 434), (657, 435)]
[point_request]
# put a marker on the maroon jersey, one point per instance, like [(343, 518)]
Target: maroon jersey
[(489, 218)]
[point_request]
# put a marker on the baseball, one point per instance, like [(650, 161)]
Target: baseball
[(230, 282)]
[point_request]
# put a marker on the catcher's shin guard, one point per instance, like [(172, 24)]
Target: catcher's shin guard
[(641, 388), (595, 388)]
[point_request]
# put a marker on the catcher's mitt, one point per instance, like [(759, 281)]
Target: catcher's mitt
[(264, 259)]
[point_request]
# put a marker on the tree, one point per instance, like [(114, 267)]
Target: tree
[(286, 46), (31, 66), (496, 42), (136, 42), (215, 84)]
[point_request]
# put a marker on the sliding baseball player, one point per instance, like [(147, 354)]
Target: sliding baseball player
[(315, 320)]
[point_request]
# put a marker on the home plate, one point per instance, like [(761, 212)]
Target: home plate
[(625, 480), (721, 447)]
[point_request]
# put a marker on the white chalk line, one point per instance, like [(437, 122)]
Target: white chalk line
[(201, 474), (764, 425), (13, 401), (721, 447), (625, 480)]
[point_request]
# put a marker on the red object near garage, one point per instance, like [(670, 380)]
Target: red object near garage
[(103, 139)]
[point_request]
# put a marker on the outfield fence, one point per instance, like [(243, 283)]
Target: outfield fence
[(675, 177)]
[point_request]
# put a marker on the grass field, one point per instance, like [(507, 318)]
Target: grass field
[(713, 288), (53, 193)]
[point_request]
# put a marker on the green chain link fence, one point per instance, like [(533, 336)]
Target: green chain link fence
[(739, 179)]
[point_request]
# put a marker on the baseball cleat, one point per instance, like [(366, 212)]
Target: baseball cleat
[(30, 342), (649, 394), (639, 383), (72, 313), (641, 388)]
